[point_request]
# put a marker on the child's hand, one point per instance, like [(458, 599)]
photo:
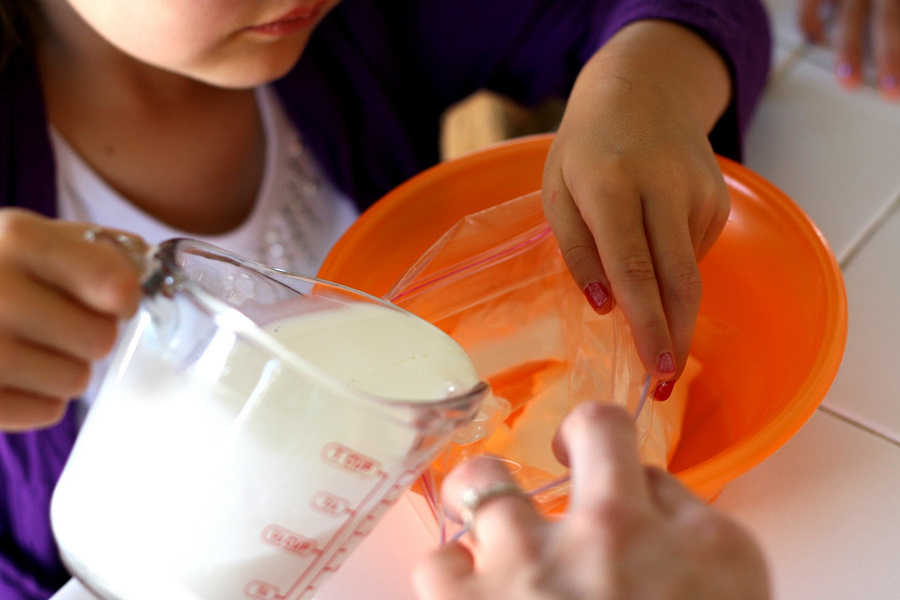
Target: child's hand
[(858, 24), (632, 189), (62, 297)]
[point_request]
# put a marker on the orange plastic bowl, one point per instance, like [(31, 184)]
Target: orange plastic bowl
[(773, 319)]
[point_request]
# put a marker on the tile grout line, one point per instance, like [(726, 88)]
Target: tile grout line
[(781, 69), (857, 425), (870, 230), (802, 53)]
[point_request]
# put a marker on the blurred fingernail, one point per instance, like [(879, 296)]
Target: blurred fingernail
[(663, 390), (888, 82), (597, 295), (666, 363), (844, 70)]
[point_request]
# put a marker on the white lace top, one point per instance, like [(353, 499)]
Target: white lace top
[(297, 217)]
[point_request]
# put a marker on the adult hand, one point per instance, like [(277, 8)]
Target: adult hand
[(858, 25), (632, 188), (63, 296), (630, 531)]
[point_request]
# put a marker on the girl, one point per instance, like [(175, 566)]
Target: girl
[(264, 126)]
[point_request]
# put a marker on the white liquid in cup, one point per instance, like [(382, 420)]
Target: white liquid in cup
[(213, 483)]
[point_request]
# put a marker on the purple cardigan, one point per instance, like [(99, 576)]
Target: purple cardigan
[(367, 96)]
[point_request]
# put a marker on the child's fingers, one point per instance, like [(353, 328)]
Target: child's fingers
[(59, 310), (679, 282), (579, 251), (851, 29), (886, 46), (27, 369), (58, 254), (635, 280), (607, 253), (810, 19), (39, 315), (23, 411), (677, 237)]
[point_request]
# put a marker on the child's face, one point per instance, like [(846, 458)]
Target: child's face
[(231, 43)]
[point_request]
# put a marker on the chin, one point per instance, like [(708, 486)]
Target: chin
[(250, 71), (244, 80)]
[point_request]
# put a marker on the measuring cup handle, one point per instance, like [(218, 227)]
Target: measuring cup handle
[(140, 253), (135, 248)]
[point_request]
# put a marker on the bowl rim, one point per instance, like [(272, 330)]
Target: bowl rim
[(709, 476)]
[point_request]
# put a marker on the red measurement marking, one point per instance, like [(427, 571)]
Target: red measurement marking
[(331, 504), (334, 551), (261, 590), (350, 460), (288, 540)]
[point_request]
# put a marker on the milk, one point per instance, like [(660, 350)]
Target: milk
[(380, 351), (209, 469)]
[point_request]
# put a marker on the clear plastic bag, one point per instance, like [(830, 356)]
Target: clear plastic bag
[(496, 282)]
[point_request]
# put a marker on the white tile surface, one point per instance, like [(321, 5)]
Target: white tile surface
[(837, 154), (865, 389), (785, 33), (834, 152), (826, 507), (825, 510)]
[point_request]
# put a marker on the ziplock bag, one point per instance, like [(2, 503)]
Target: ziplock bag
[(496, 282)]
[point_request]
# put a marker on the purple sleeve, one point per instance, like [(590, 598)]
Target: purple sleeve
[(532, 49), (739, 30), (30, 464), (369, 91)]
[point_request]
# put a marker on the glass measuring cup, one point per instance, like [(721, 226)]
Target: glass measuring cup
[(250, 431)]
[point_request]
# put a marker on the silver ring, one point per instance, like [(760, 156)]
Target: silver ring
[(129, 243), (93, 233), (474, 498), (134, 247)]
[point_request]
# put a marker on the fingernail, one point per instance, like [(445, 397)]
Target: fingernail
[(663, 390), (844, 70), (666, 363), (597, 295), (888, 82)]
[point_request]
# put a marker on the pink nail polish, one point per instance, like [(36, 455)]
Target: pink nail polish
[(597, 295), (844, 70), (663, 390), (888, 82), (666, 363)]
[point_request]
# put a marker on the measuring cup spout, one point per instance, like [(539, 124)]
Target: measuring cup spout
[(447, 415)]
